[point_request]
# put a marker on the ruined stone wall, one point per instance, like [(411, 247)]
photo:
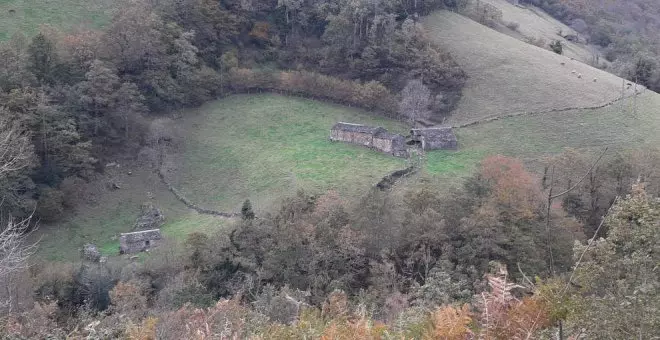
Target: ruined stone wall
[(383, 145)]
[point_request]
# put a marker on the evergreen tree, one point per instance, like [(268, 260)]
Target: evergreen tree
[(246, 210), (557, 47), (42, 58)]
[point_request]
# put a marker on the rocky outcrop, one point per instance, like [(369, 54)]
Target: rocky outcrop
[(90, 253)]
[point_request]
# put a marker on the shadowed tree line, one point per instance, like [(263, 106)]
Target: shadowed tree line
[(419, 265)]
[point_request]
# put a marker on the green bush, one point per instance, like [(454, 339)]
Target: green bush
[(512, 25), (557, 47), (246, 211), (50, 205), (195, 294)]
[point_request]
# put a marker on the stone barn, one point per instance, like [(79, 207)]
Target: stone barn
[(139, 241), (376, 138), (391, 143), (354, 133), (435, 138)]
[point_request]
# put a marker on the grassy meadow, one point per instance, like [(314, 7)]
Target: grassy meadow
[(27, 16), (533, 137), (507, 75), (266, 146), (535, 23), (262, 147), (103, 213)]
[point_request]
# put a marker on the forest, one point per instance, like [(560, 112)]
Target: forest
[(569, 252)]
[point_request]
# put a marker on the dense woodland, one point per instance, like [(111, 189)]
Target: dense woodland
[(491, 259), (571, 253)]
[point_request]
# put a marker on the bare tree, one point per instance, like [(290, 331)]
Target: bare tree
[(15, 147), (14, 254), (15, 154), (415, 100)]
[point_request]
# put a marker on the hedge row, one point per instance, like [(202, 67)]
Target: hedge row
[(371, 95)]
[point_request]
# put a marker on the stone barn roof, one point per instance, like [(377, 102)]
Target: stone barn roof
[(359, 128), (396, 139), (383, 134)]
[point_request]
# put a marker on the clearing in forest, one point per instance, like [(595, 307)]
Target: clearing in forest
[(507, 75), (263, 147), (267, 146), (102, 213), (258, 147)]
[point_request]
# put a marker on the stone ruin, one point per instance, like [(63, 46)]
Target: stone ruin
[(90, 253), (150, 217), (139, 241)]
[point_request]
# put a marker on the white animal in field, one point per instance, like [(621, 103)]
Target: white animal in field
[(574, 72), (580, 75)]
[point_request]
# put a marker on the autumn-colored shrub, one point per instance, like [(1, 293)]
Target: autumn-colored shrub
[(335, 322), (128, 298), (512, 186), (146, 330), (450, 323), (39, 322), (259, 31), (228, 319), (503, 316), (370, 95)]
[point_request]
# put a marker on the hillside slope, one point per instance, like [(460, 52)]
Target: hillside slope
[(507, 75), (628, 124), (536, 24)]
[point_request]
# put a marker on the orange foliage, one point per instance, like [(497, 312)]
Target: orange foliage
[(29, 325), (326, 203), (361, 328), (513, 187), (81, 46), (260, 30), (449, 323), (225, 320), (127, 297), (527, 317), (145, 331), (336, 305), (503, 316)]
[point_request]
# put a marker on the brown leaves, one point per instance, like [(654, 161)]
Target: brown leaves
[(128, 298), (450, 323), (503, 316), (512, 186)]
